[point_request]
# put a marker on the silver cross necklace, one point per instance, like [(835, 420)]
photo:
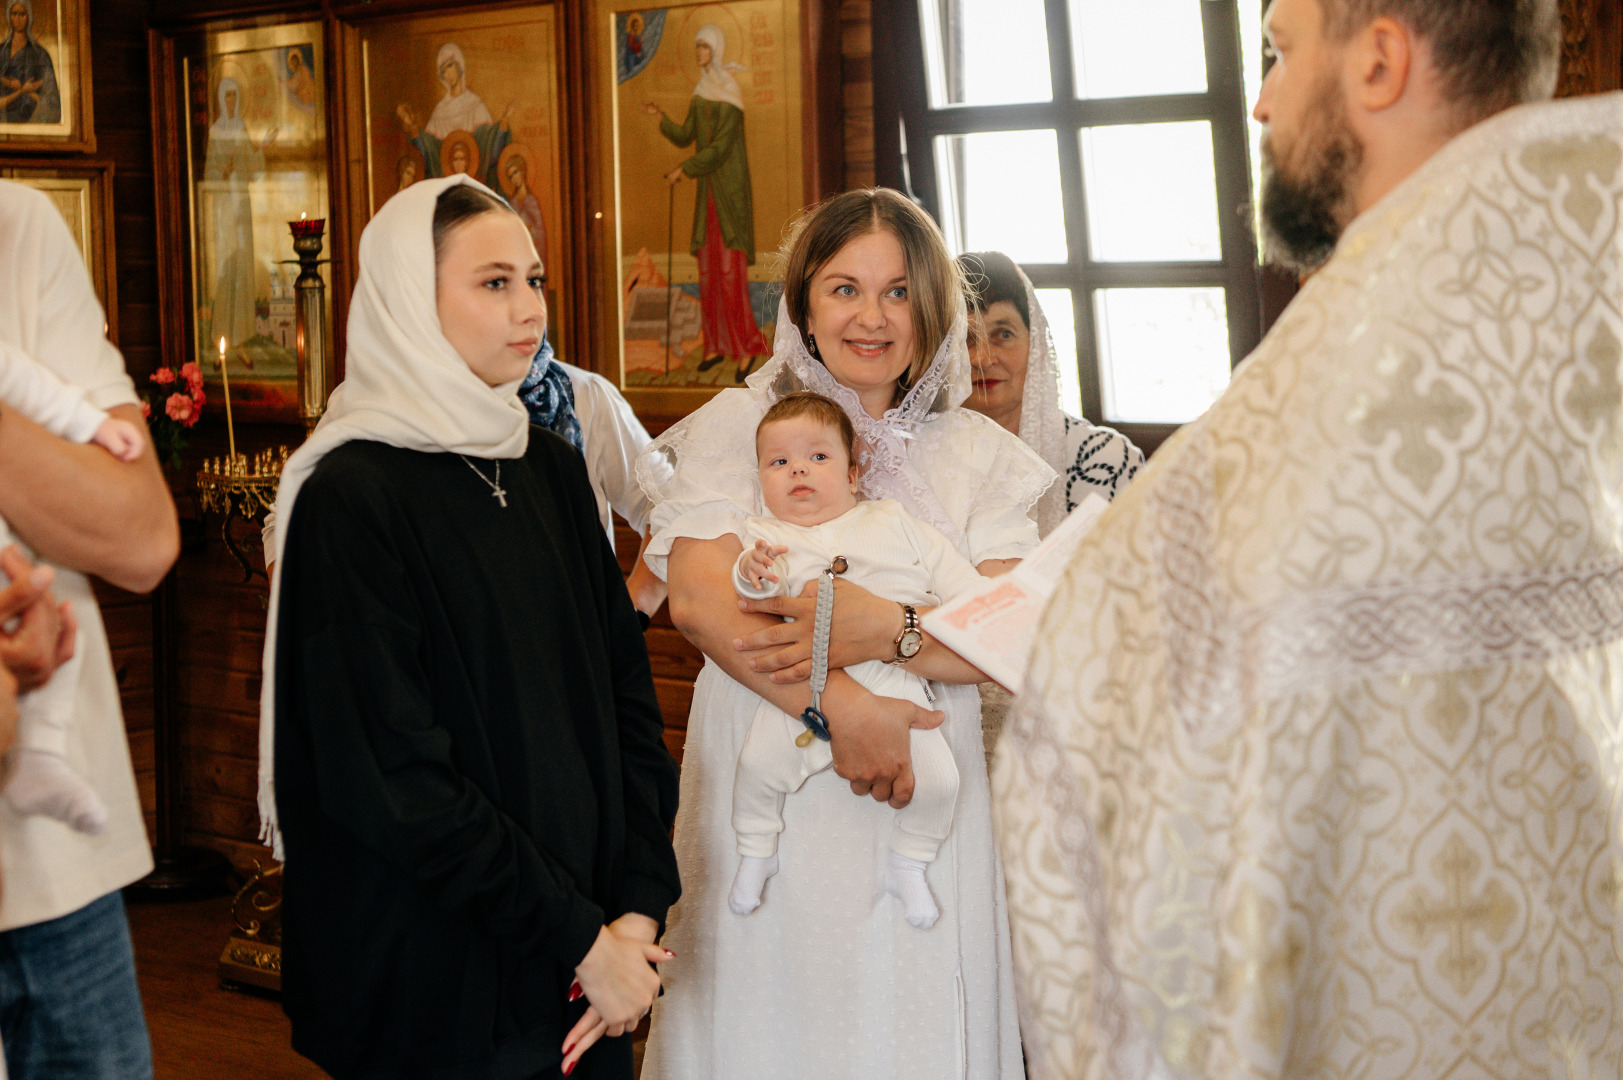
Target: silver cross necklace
[(497, 492)]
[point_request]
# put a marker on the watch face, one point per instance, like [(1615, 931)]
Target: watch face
[(912, 641)]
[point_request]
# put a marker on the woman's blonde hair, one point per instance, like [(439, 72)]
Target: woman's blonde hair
[(934, 281)]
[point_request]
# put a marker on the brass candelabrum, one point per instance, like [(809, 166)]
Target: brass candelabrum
[(315, 378), (240, 486)]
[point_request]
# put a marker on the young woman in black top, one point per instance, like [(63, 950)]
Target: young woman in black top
[(470, 776)]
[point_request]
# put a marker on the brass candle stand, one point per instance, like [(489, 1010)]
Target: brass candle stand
[(240, 487), (311, 328)]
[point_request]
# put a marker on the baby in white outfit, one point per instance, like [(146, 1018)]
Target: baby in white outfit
[(808, 481), (38, 779)]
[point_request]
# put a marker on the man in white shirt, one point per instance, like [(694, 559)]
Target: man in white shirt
[(69, 1005)]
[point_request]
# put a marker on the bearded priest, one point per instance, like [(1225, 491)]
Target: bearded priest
[(1319, 769)]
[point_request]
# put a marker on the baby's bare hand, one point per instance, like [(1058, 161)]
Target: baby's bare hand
[(758, 563), (119, 438)]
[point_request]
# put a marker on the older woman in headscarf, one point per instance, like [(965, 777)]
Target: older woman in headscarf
[(470, 772), (1016, 382)]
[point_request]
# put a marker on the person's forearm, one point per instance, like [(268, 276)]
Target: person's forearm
[(936, 661), (80, 507), (647, 591)]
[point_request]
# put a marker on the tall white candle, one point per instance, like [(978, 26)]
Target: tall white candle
[(230, 429)]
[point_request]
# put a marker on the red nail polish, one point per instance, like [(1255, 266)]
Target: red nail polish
[(570, 1068), (575, 992), (568, 1047), (670, 954)]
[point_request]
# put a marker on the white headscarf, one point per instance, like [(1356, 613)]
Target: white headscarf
[(1042, 424), (404, 385), (229, 123), (716, 82), (459, 112)]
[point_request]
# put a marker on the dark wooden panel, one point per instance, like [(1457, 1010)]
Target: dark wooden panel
[(675, 699), (230, 691), (224, 816), (212, 773), (222, 732), (141, 750), (671, 656), (240, 651), (856, 73)]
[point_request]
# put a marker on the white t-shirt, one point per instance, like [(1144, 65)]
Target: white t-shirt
[(612, 437), (48, 309)]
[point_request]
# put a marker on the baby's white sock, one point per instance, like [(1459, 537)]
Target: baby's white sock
[(43, 783), (749, 881), (904, 879)]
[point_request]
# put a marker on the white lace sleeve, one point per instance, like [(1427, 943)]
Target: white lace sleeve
[(701, 474), (1003, 478)]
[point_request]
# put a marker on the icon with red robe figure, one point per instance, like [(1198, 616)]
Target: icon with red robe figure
[(723, 239)]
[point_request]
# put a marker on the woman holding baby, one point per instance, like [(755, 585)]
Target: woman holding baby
[(828, 976)]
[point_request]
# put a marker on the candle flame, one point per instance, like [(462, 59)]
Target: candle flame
[(301, 215), (222, 348)]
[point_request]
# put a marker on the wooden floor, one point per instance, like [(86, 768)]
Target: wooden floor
[(199, 1030)]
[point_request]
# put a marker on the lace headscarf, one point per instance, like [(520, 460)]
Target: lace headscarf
[(1042, 424), (725, 454), (887, 472)]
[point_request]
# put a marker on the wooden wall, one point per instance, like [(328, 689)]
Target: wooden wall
[(1591, 47), (856, 77)]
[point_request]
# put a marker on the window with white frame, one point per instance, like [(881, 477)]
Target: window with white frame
[(1104, 146)]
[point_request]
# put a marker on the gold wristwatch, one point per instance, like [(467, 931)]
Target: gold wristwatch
[(911, 639)]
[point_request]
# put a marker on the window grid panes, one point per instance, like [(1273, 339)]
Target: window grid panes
[(1122, 187)]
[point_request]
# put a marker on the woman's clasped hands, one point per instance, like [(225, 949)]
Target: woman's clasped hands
[(618, 981)]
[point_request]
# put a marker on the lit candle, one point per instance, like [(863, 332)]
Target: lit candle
[(230, 429)]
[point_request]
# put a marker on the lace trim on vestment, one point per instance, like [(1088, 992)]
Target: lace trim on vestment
[(1230, 661)]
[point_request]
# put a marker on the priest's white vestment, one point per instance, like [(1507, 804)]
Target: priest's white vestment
[(1319, 770)]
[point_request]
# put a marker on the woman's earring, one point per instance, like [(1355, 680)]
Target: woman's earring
[(811, 346)]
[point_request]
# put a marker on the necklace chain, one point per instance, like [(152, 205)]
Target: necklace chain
[(497, 492)]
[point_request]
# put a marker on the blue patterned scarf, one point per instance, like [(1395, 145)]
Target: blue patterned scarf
[(550, 397)]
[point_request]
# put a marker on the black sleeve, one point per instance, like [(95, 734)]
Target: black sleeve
[(382, 768), (648, 772)]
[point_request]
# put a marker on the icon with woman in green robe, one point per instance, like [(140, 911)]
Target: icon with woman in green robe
[(723, 238)]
